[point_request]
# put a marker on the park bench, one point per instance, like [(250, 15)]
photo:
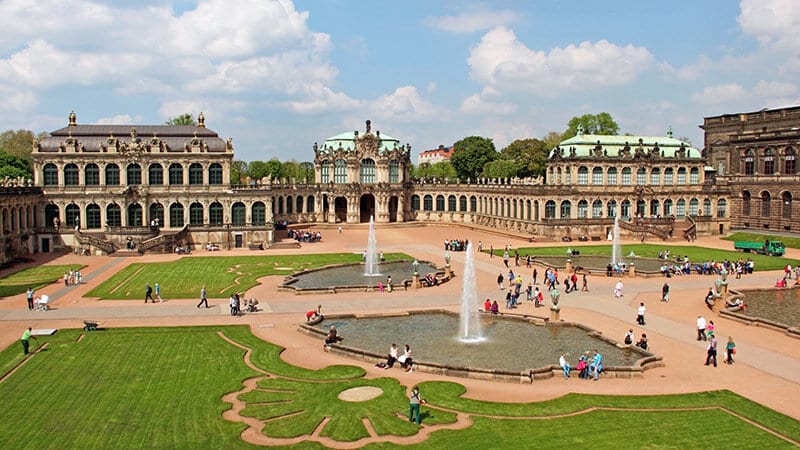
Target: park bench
[(90, 325)]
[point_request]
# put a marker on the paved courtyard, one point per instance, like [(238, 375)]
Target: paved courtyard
[(767, 368)]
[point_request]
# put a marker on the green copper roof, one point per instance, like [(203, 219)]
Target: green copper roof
[(584, 145), (347, 142)]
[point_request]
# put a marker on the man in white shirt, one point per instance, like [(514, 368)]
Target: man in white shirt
[(701, 328), (640, 314), (562, 361)]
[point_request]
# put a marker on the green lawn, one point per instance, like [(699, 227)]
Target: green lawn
[(221, 275), (791, 242), (762, 262), (163, 388), (35, 277)]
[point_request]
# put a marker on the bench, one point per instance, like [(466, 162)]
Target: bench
[(256, 246), (90, 325)]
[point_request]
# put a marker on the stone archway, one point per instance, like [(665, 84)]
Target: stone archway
[(340, 209), (366, 207)]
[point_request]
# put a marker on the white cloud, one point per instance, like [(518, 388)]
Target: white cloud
[(503, 62), (774, 89), (121, 119), (719, 94), (695, 70), (468, 22), (320, 98), (478, 104), (769, 94), (772, 22), (405, 105)]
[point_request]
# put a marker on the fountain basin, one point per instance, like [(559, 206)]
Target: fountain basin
[(350, 277), (778, 309), (515, 349)]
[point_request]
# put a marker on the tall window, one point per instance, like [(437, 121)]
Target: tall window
[(462, 203), (765, 199), (786, 211), (415, 202), (789, 163), (566, 209), (157, 213), (215, 213), (92, 216), (641, 208), (155, 174), (259, 213), (668, 207), (769, 162), (707, 207), (451, 203), (215, 174), (91, 175), (427, 203), (668, 176), (113, 215), (693, 205), (175, 174), (310, 204), (195, 214), (680, 209), (176, 215), (625, 209), (50, 173), (583, 209), (135, 218), (749, 162), (367, 171), (394, 171), (71, 175), (550, 210), (567, 175), (73, 213), (626, 176), (440, 202), (694, 176), (195, 174), (655, 208), (612, 176), (583, 176), (682, 175), (323, 171), (722, 208), (112, 175), (746, 197), (597, 209), (134, 175), (597, 176), (655, 176), (238, 213), (641, 176), (611, 207), (339, 171)]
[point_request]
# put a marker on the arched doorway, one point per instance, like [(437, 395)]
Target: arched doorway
[(51, 212), (393, 205), (366, 207), (340, 209)]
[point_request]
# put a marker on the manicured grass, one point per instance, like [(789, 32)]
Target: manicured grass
[(221, 275), (791, 242), (35, 277), (162, 388), (695, 253)]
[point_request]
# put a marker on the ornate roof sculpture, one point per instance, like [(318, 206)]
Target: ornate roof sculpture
[(366, 145), (133, 139), (633, 147)]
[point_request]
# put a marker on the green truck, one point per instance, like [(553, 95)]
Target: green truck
[(772, 248)]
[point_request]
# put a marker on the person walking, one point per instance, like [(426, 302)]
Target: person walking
[(597, 365), (29, 296), (640, 314), (585, 284), (701, 328), (500, 280), (618, 289), (203, 298), (730, 350), (148, 293), (158, 293), (711, 352), (26, 337), (665, 293), (414, 401)]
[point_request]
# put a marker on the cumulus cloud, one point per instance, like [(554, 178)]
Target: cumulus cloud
[(719, 94), (770, 94), (120, 119), (320, 98), (468, 22), (503, 62), (772, 22), (405, 104), (478, 104)]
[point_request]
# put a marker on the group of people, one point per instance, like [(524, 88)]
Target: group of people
[(405, 360), (73, 277), (706, 333), (149, 291), (236, 304), (589, 366), (305, 235), (456, 245), (641, 343)]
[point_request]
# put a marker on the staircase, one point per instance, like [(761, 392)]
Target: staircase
[(166, 242), (95, 241), (661, 230)]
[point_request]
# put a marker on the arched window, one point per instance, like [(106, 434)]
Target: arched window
[(680, 209), (339, 171), (259, 213), (113, 215), (626, 176), (722, 208), (175, 174), (765, 199), (440, 202), (133, 175), (196, 213), (73, 215), (597, 209), (668, 210), (427, 202), (746, 197), (310, 204), (583, 209), (655, 208), (681, 175), (156, 214), (611, 208), (289, 205), (112, 175), (91, 175), (135, 218), (641, 208), (749, 162), (238, 214), (195, 175), (694, 176), (155, 174), (92, 216), (550, 210), (415, 202), (583, 175), (367, 171), (215, 213), (215, 174), (451, 203), (176, 219), (473, 204), (641, 176), (625, 209), (655, 176), (558, 175), (669, 176), (71, 175), (279, 203), (298, 203), (786, 211), (612, 176), (462, 203), (566, 209), (597, 176), (50, 174), (394, 171), (789, 164), (693, 205), (707, 207), (567, 176), (323, 171), (769, 162)]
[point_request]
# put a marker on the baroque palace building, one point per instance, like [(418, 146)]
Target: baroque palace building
[(98, 188)]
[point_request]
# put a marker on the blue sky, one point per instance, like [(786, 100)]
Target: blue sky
[(277, 76)]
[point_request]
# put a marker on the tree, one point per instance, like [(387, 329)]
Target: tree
[(601, 123), (257, 170), (275, 169), (441, 170), (529, 155), (13, 166), (501, 168), (238, 171), (185, 119), (308, 174), (470, 155), (19, 143)]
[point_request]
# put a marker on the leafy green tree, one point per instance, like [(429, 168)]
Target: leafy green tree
[(470, 155), (183, 119), (275, 169), (501, 168), (601, 123), (529, 156), (13, 166), (238, 171), (441, 170), (307, 169), (19, 143), (257, 170)]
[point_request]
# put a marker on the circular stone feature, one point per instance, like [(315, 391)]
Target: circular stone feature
[(360, 393)]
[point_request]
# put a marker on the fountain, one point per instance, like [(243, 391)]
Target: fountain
[(615, 247), (371, 262), (470, 323)]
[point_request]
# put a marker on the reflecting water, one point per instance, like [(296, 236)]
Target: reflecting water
[(510, 344), (777, 305), (353, 275)]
